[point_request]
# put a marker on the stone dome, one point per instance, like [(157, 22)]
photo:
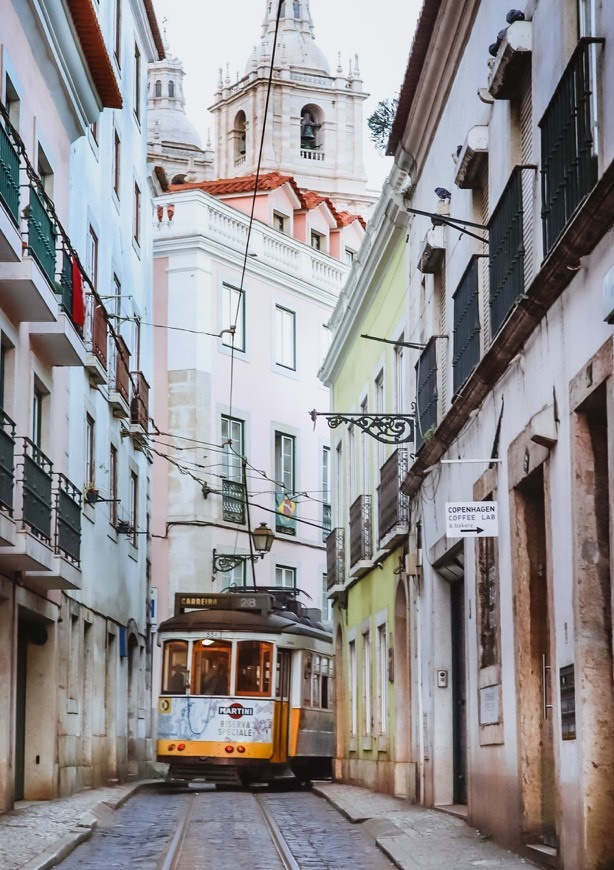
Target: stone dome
[(296, 47)]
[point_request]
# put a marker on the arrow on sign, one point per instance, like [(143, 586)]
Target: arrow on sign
[(471, 531)]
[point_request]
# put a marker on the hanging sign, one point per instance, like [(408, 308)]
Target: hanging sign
[(472, 519)]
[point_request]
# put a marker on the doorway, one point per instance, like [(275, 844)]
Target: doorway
[(31, 633), (459, 693), (535, 686)]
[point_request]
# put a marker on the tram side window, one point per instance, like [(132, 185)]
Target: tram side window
[(317, 681), (211, 667), (254, 659), (175, 667), (307, 672)]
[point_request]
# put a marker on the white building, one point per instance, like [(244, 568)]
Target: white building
[(74, 238), (235, 446)]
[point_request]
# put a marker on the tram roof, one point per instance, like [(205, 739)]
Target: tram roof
[(240, 620)]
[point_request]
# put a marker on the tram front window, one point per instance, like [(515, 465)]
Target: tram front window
[(254, 661), (175, 667), (211, 667)]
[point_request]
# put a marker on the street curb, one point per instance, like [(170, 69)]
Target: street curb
[(84, 828), (376, 821)]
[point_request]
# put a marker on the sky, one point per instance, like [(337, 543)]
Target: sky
[(208, 35)]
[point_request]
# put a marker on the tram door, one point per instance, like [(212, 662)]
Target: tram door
[(282, 694)]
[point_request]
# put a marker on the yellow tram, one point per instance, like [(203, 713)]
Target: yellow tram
[(247, 688)]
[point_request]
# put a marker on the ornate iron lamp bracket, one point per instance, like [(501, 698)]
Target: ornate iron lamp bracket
[(386, 428), (228, 561)]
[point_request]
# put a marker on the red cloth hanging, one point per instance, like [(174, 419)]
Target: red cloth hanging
[(78, 295)]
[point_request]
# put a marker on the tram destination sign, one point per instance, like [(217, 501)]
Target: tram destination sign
[(472, 519), (222, 601)]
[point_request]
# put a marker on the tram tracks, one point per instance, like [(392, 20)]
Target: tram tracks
[(173, 859)]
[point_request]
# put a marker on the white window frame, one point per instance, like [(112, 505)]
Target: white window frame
[(382, 677), (285, 462), (233, 314), (366, 683), (285, 576), (232, 429), (285, 337), (353, 687)]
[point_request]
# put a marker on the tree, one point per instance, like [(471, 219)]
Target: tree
[(380, 122)]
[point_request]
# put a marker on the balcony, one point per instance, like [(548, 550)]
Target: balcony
[(119, 378), (568, 156), (361, 536), (7, 479), (96, 340), (513, 58), (139, 409), (65, 570), (472, 159), (29, 547), (466, 325), (506, 252), (233, 501), (60, 342), (393, 506), (10, 239), (335, 561), (426, 393)]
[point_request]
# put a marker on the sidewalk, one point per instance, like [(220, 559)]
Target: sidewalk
[(415, 837), (37, 835)]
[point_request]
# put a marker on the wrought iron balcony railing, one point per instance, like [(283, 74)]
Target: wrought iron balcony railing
[(361, 538), (335, 558), (427, 393), (326, 521), (68, 520), (42, 234), (233, 501), (96, 330), (37, 481), (119, 369), (466, 325), (393, 506), (139, 406), (7, 463), (568, 155), (9, 174)]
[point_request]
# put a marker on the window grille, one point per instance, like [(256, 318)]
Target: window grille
[(506, 252), (568, 149), (426, 379), (466, 325)]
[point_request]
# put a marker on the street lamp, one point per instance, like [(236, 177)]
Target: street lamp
[(263, 539)]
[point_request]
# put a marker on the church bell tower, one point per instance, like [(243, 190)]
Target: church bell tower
[(314, 127)]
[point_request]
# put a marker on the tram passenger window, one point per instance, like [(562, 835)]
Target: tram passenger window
[(211, 667), (324, 682), (307, 670), (315, 682), (254, 661), (175, 667)]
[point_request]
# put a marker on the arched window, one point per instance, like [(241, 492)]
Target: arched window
[(311, 129), (240, 135), (171, 90), (158, 91)]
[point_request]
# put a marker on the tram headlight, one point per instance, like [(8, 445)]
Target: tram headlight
[(181, 747), (171, 746), (229, 749), (241, 749)]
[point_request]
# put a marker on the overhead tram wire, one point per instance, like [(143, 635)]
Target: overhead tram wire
[(253, 205)]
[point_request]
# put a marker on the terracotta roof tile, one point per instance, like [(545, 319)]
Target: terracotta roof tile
[(308, 199), (155, 30), (95, 50)]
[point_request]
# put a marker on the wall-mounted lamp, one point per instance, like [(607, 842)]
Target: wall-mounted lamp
[(263, 539)]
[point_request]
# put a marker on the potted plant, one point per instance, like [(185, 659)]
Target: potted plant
[(91, 493)]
